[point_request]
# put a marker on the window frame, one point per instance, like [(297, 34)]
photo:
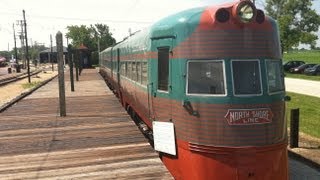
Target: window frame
[(267, 77), (232, 74), (207, 95)]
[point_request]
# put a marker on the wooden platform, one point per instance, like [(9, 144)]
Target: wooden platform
[(97, 139)]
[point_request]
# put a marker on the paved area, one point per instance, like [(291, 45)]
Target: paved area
[(3, 71), (97, 139), (309, 147), (301, 86), (300, 171)]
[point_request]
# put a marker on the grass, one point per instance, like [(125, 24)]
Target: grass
[(31, 85), (311, 56), (309, 113), (308, 56)]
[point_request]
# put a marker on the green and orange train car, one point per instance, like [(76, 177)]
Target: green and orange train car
[(216, 73)]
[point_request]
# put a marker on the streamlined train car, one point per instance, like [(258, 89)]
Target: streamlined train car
[(215, 73)]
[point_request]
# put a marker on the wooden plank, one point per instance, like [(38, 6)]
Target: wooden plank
[(97, 139)]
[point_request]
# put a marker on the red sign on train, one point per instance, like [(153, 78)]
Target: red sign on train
[(249, 116)]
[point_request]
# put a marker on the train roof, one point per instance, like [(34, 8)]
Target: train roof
[(178, 26), (168, 26)]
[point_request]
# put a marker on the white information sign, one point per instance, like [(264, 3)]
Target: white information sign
[(164, 137)]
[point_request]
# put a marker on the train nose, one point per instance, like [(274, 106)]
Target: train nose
[(246, 163)]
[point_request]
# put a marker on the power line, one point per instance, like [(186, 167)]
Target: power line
[(82, 19)]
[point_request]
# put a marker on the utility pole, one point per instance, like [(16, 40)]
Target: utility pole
[(51, 52), (15, 49), (77, 65), (27, 52), (8, 51), (20, 22), (70, 60), (62, 96)]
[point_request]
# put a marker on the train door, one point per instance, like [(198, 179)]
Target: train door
[(162, 87)]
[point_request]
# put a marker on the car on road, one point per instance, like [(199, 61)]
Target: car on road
[(315, 70), (292, 64), (300, 69)]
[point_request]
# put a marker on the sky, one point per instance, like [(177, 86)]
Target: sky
[(47, 17)]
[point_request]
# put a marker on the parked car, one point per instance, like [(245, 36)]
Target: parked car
[(315, 70), (292, 64), (300, 69)]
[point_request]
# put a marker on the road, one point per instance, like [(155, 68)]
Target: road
[(311, 88), (300, 171)]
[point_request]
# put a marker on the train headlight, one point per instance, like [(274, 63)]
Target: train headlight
[(245, 11)]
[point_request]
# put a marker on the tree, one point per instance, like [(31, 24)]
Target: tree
[(80, 35), (89, 36), (35, 50), (5, 54), (101, 32), (298, 22)]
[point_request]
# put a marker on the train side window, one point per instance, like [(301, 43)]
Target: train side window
[(206, 78), (129, 64), (106, 61), (246, 77), (110, 62), (163, 68), (125, 68), (134, 71), (113, 64), (120, 69), (275, 76), (138, 71), (144, 73)]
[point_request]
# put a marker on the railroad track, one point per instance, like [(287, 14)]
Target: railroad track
[(11, 79)]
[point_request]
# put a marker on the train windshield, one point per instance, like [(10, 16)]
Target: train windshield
[(246, 77), (275, 76), (206, 78)]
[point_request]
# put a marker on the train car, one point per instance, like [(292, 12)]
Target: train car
[(216, 74)]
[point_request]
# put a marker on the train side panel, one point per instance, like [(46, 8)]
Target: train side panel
[(219, 82)]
